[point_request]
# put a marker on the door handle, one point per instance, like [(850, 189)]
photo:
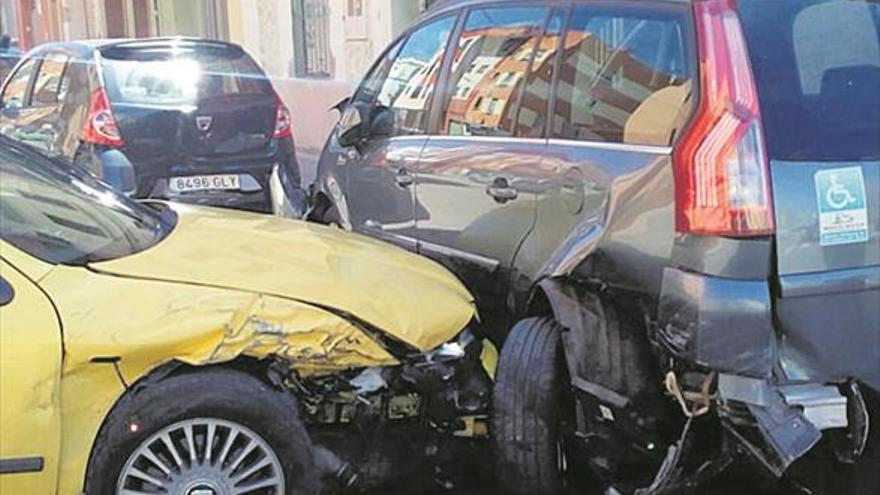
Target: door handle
[(403, 178), (372, 224), (501, 190)]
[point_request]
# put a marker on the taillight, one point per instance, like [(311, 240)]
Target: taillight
[(100, 126), (722, 182), (283, 124)]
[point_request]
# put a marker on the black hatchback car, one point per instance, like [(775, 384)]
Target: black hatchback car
[(181, 119), (668, 211)]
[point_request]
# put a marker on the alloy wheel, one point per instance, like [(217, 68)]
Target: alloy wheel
[(202, 456)]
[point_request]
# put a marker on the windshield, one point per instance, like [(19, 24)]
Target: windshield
[(180, 76), (66, 216), (817, 68)]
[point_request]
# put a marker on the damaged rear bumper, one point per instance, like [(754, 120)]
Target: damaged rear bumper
[(726, 326), (776, 425)]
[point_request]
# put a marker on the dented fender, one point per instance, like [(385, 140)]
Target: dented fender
[(151, 323)]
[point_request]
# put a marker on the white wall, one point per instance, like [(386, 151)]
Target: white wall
[(83, 19), (266, 32)]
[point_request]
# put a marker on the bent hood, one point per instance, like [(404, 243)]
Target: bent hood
[(408, 297)]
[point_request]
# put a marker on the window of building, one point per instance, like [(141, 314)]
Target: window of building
[(493, 55), (417, 65), (355, 8), (313, 38), (50, 87), (624, 77)]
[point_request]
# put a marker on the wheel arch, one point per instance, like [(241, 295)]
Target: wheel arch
[(591, 317), (258, 369)]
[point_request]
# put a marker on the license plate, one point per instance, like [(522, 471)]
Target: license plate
[(204, 183)]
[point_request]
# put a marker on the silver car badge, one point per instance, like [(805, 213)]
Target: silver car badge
[(203, 122)]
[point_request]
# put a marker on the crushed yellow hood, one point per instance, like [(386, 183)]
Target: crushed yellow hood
[(408, 297)]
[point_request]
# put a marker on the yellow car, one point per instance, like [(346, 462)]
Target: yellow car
[(165, 348)]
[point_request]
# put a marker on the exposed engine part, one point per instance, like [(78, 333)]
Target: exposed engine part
[(451, 379), (390, 421), (368, 381)]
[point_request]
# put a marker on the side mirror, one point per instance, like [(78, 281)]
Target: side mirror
[(353, 127), (341, 104), (117, 171)]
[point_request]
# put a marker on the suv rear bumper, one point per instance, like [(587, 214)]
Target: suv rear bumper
[(775, 400), (740, 326), (719, 323)]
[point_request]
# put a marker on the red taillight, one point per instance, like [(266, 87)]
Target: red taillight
[(100, 126), (722, 182), (283, 124)]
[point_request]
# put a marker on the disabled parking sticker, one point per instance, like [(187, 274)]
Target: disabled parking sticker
[(843, 214)]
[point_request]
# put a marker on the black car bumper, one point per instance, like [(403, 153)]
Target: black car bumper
[(154, 175)]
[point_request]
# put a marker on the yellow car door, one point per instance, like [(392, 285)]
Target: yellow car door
[(30, 373)]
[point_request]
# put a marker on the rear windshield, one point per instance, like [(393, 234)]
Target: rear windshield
[(180, 76), (817, 68)]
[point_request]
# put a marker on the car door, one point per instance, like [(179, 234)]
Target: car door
[(30, 373), (379, 171), (624, 89), (477, 175), (15, 98)]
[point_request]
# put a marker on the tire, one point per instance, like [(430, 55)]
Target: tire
[(331, 217), (529, 403), (225, 398)]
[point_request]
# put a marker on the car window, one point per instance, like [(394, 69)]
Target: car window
[(169, 77), (817, 64), (369, 88), (62, 217), (51, 84), (491, 60), (531, 117), (16, 90), (412, 76), (625, 77)]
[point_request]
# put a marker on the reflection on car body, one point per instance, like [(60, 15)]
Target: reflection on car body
[(147, 346)]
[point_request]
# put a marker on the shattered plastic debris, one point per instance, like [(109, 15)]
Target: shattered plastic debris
[(368, 381)]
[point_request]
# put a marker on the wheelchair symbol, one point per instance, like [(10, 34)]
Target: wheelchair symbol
[(838, 196)]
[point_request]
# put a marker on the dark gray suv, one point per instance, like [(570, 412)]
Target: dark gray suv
[(669, 213)]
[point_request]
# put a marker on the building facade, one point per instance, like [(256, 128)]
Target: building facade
[(329, 39), (315, 50)]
